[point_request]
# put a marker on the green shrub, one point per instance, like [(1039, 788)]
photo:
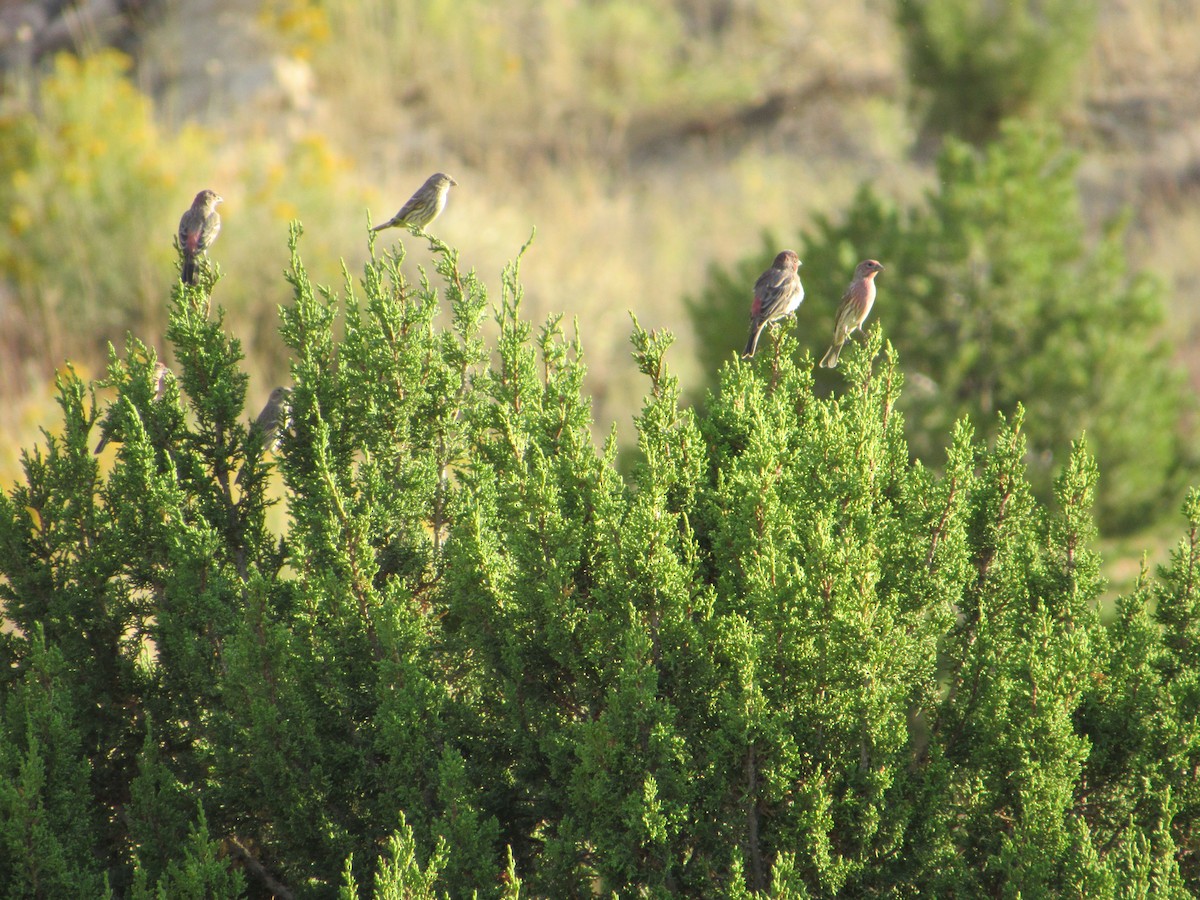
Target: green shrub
[(976, 64), (780, 656)]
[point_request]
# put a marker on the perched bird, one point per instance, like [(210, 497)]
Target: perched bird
[(424, 206), (264, 433), (160, 380), (109, 428), (273, 415), (853, 309), (777, 293), (198, 228)]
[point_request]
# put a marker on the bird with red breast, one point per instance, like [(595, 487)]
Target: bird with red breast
[(198, 228), (853, 309)]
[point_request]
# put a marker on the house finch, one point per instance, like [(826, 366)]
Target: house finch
[(424, 206), (160, 380), (109, 428), (777, 293), (264, 433), (853, 309), (273, 415), (198, 228)]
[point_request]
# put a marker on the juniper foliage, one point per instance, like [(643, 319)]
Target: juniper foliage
[(467, 657)]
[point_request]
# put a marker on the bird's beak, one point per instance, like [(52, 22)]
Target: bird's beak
[(453, 182)]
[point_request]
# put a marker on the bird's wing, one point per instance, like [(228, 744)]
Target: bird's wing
[(773, 294), (190, 227)]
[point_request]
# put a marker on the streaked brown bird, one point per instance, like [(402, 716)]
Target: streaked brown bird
[(777, 293), (160, 380), (424, 206), (853, 309), (198, 228), (264, 433), (273, 415)]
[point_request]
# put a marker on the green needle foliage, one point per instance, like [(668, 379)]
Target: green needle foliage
[(779, 659)]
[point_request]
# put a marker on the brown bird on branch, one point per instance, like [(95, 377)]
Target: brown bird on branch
[(264, 433), (853, 309), (198, 228), (424, 206), (777, 293)]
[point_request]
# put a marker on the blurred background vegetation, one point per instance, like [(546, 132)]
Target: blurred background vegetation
[(1027, 171)]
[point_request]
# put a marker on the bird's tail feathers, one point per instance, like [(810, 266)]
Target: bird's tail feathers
[(751, 344), (830, 359)]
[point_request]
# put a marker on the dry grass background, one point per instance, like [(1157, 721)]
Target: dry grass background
[(644, 141), (634, 140)]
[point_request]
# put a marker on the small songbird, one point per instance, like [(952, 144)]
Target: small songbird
[(264, 433), (160, 380), (198, 228), (273, 415), (777, 293), (853, 309), (424, 206)]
